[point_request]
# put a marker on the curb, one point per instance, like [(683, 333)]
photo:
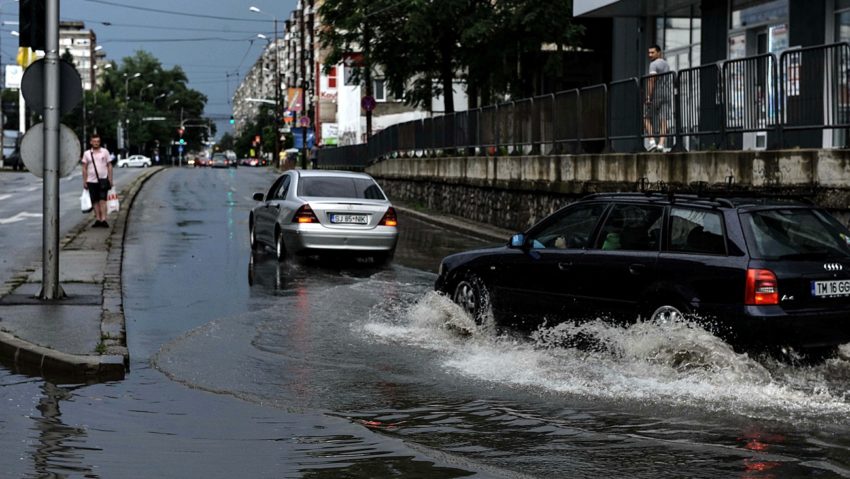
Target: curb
[(487, 232), (38, 360)]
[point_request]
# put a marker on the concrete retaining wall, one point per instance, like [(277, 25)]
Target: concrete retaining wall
[(515, 191)]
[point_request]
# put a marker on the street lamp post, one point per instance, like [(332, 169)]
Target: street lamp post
[(277, 113), (142, 90), (127, 78)]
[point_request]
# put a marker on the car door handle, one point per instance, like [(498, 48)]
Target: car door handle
[(564, 266), (637, 268)]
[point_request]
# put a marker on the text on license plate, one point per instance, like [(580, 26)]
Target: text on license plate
[(831, 288), (349, 219)]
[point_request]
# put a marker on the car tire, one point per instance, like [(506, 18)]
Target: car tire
[(665, 312), (279, 247), (473, 296), (252, 236), (123, 165), (383, 258)]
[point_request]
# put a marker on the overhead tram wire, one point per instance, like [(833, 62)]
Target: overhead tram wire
[(107, 23), (171, 12)]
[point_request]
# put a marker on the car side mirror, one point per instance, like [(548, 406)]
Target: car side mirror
[(518, 240), (258, 197)]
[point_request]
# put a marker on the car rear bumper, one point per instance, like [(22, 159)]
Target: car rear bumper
[(770, 326), (301, 239)]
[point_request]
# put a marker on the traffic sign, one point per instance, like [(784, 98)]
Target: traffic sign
[(32, 150), (70, 86), (304, 121), (368, 103)]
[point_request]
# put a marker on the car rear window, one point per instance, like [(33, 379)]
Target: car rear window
[(795, 233), (340, 187)]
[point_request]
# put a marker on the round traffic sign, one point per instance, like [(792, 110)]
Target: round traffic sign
[(304, 121), (70, 86), (32, 150), (368, 103)]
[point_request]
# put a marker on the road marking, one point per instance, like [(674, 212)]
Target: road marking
[(19, 217), (5, 197)]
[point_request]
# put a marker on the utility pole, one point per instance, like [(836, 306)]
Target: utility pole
[(51, 289)]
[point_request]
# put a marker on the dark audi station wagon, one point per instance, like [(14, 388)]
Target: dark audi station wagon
[(754, 271)]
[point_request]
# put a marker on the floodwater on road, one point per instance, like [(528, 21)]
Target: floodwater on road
[(242, 366)]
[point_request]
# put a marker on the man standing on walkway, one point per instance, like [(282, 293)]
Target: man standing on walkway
[(657, 102), (97, 178)]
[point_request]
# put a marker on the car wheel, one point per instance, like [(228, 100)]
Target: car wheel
[(279, 247), (252, 236), (667, 313), (383, 258), (472, 295), (123, 165)]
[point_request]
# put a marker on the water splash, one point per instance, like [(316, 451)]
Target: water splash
[(677, 363)]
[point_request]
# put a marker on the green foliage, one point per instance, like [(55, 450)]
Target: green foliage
[(127, 98), (421, 46)]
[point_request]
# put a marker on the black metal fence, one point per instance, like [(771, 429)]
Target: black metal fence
[(763, 101)]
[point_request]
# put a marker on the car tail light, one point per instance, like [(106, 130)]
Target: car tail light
[(305, 215), (389, 218), (762, 287)]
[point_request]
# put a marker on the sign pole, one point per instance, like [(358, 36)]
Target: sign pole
[(51, 289)]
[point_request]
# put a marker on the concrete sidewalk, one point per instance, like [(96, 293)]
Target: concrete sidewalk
[(82, 336)]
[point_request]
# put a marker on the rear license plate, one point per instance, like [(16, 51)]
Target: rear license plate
[(831, 288), (349, 219)]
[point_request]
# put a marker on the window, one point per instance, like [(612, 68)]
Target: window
[(632, 228), (570, 229), (696, 231), (790, 233), (332, 77), (340, 187), (379, 90), (284, 188), (273, 190)]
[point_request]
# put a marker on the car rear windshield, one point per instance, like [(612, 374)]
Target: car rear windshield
[(340, 187), (795, 233)]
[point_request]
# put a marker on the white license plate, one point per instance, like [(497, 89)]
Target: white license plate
[(349, 219), (831, 288)]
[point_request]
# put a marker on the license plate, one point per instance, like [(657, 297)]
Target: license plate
[(349, 219), (831, 288)]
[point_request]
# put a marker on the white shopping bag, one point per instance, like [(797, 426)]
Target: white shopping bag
[(112, 204), (85, 201)]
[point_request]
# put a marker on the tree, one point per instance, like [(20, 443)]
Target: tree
[(124, 98), (226, 142), (423, 46)]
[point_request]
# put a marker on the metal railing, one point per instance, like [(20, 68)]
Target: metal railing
[(781, 99)]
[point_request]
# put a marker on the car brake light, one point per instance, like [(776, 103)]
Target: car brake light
[(305, 215), (389, 218), (762, 287)]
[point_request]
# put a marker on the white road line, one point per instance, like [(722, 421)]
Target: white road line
[(5, 197), (19, 217)]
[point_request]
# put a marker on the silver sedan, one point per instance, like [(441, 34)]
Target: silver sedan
[(313, 211)]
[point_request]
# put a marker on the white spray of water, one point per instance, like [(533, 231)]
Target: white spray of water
[(677, 363)]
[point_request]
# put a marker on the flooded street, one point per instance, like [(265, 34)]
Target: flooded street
[(243, 367)]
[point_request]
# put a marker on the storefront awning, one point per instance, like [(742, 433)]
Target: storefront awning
[(631, 8)]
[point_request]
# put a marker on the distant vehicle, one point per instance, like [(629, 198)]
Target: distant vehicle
[(219, 160), (312, 211), (202, 161), (11, 149), (756, 271), (249, 162), (136, 161)]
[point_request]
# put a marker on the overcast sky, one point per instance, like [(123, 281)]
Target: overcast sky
[(214, 41)]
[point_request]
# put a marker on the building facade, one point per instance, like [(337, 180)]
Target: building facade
[(80, 43), (324, 99)]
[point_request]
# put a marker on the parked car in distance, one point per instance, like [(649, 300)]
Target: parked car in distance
[(755, 271), (318, 211), (136, 161), (219, 160)]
